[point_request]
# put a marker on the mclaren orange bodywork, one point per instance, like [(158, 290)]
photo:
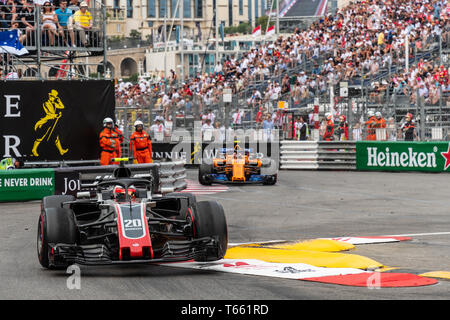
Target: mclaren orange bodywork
[(237, 166)]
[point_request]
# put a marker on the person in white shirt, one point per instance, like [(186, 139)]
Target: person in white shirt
[(207, 126), (219, 132), (302, 77), (165, 100), (218, 68), (157, 128), (357, 132), (207, 130), (210, 116), (423, 90), (12, 76), (159, 117), (237, 118), (122, 85)]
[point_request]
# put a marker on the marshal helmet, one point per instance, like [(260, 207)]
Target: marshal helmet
[(107, 120)]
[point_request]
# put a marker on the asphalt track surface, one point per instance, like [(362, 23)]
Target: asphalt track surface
[(303, 205)]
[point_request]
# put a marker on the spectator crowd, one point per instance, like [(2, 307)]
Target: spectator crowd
[(359, 41), (356, 43), (64, 21)]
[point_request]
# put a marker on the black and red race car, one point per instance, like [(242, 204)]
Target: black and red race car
[(122, 222)]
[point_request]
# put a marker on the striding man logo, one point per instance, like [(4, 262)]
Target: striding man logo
[(45, 127), (196, 155)]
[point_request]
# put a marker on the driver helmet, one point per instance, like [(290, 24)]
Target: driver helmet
[(119, 193), (370, 114), (378, 114)]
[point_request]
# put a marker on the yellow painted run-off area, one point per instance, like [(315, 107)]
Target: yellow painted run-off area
[(323, 245), (320, 253), (437, 274)]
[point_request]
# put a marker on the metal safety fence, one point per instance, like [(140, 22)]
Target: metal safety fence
[(58, 39), (168, 176), (38, 28)]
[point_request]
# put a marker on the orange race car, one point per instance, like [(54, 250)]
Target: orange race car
[(238, 165)]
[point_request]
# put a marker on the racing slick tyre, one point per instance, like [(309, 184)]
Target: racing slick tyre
[(269, 171), (209, 221), (56, 225), (270, 180), (203, 172)]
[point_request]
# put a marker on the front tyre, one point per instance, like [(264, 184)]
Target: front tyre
[(42, 244), (55, 225), (270, 173), (270, 180), (209, 221)]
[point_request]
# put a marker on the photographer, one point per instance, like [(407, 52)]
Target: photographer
[(408, 128)]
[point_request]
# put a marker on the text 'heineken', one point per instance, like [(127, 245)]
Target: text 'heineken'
[(396, 159), (424, 156)]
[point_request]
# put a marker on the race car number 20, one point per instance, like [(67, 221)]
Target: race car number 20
[(132, 223)]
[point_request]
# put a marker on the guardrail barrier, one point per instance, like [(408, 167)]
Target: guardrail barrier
[(318, 155), (34, 184)]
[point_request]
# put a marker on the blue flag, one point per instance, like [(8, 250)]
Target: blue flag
[(9, 43)]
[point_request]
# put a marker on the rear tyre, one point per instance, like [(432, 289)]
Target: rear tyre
[(203, 172), (209, 221), (55, 225)]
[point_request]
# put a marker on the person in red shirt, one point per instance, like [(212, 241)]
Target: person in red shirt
[(370, 123), (259, 117), (187, 91), (141, 144), (342, 129), (329, 130), (109, 143), (443, 75)]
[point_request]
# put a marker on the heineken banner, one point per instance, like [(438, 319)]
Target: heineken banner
[(53, 120), (403, 156)]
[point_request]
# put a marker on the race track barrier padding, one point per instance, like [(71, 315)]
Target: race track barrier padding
[(34, 184), (172, 176), (318, 155)]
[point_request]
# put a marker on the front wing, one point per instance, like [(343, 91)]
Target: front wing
[(223, 179), (99, 254)]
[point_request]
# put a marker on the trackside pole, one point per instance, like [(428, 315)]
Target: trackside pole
[(316, 120)]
